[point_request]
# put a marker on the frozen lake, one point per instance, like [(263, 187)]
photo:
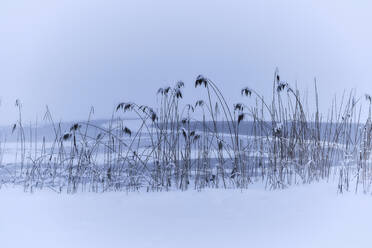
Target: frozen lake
[(303, 216)]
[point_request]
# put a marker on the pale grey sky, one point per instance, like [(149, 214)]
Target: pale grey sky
[(73, 54)]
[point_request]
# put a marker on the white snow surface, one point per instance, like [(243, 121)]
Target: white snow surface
[(301, 216)]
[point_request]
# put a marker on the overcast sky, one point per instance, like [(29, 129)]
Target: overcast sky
[(73, 54)]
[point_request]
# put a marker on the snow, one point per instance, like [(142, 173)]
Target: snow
[(301, 216)]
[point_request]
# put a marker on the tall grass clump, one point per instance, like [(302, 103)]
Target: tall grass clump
[(209, 143)]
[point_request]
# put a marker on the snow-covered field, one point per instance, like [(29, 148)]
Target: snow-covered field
[(301, 216)]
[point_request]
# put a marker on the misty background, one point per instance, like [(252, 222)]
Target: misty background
[(71, 55)]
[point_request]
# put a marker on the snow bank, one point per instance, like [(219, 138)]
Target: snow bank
[(303, 216)]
